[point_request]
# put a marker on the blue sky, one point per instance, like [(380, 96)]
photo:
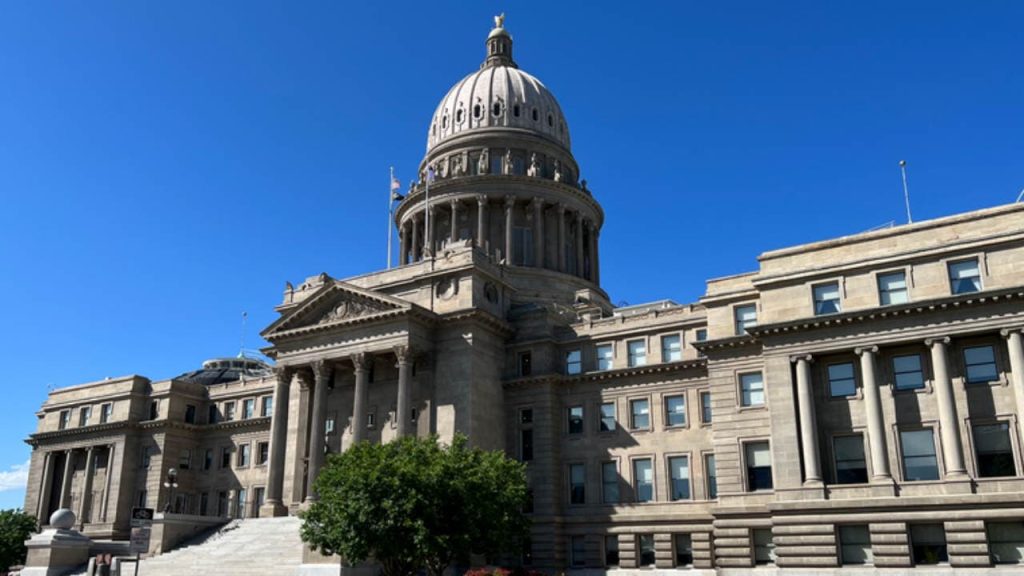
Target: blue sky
[(166, 166)]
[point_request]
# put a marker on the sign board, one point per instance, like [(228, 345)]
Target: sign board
[(142, 527)]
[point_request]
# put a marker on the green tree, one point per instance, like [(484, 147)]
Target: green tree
[(414, 503), (15, 528)]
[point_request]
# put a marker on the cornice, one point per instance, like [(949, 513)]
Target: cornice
[(601, 375), (125, 426), (730, 342), (480, 316)]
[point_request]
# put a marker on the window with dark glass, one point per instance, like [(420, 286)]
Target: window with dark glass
[(244, 451), (579, 551), (705, 407), (907, 372), (764, 546), (711, 475), (525, 364), (964, 276), (65, 419), (826, 299), (190, 414), (892, 288), (645, 549), (643, 479), (679, 471), (609, 483), (607, 417), (208, 460), (675, 410), (980, 364), (850, 464), (526, 444), (928, 544), (640, 414), (185, 459), (225, 458), (526, 416), (577, 484), (214, 416), (611, 551), (154, 409), (106, 413), (576, 420), (759, 466), (84, 415), (919, 462), (1006, 542), (841, 381), (262, 452), (267, 407), (855, 544), (993, 449), (683, 545), (701, 335), (573, 362), (229, 411)]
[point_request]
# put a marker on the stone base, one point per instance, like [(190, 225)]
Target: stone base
[(273, 510), (55, 552)]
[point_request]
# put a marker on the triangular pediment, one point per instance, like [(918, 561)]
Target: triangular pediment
[(336, 302)]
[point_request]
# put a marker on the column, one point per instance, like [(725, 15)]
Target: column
[(65, 485), (316, 430), (454, 234), (403, 245), (873, 412), (592, 248), (359, 408), (274, 503), (808, 425), (430, 242), (415, 256), (83, 506), (108, 480), (43, 506), (538, 232), (596, 264), (579, 245), (404, 403), (1015, 348), (952, 451), (561, 238), (481, 221), (509, 204)]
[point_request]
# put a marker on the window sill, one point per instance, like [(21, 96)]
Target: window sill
[(749, 408), (677, 427)]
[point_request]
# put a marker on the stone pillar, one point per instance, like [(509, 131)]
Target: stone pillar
[(1015, 348), (579, 245), (595, 260), (65, 485), (403, 246), (510, 203), (873, 413), (561, 238), (404, 403), (952, 451), (415, 256), (430, 242), (538, 232), (83, 506), (316, 430), (43, 506), (107, 480), (808, 424), (274, 503), (454, 234), (359, 408), (481, 221)]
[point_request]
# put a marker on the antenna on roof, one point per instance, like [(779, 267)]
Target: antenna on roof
[(906, 191), (241, 348), (1020, 196)]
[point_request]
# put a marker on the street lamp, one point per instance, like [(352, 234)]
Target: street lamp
[(171, 483)]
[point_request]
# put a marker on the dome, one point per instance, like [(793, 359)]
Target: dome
[(221, 370), (499, 95)]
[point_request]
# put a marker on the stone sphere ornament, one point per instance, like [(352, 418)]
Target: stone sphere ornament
[(62, 519)]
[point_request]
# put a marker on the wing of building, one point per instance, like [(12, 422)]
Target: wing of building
[(853, 401)]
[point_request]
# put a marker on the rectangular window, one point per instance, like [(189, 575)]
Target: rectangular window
[(684, 550), (850, 465), (1006, 542), (225, 458), (701, 335), (106, 413), (994, 452), (241, 503), (826, 299), (919, 461), (764, 547), (244, 452), (679, 472), (611, 551), (185, 459), (609, 483), (267, 407), (980, 364), (671, 348), (751, 389), (143, 498), (964, 276), (259, 496), (154, 409), (608, 417), (577, 484), (248, 408), (675, 410), (645, 549), (643, 479), (712, 476), (841, 381), (640, 414), (190, 414), (204, 503), (576, 420), (208, 460), (65, 419), (214, 416), (526, 444), (892, 288), (605, 354), (746, 317), (526, 416), (84, 414), (705, 407), (525, 364), (147, 456), (759, 466), (222, 504), (907, 371), (637, 350), (262, 452), (229, 411), (855, 544), (522, 246), (928, 543), (579, 551), (573, 362)]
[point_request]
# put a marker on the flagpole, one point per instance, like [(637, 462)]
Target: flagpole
[(391, 192), (427, 243), (906, 191)]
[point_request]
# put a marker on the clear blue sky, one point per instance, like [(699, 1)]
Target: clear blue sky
[(166, 166)]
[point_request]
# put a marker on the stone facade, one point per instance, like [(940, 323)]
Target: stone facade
[(854, 401)]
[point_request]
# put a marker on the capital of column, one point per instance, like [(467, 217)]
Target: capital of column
[(930, 342), (481, 199), (561, 209), (510, 201), (862, 350), (283, 373), (304, 379), (320, 370), (361, 361), (805, 357), (1007, 332), (404, 354), (537, 203)]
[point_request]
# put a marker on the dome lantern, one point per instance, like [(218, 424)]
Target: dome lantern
[(499, 45)]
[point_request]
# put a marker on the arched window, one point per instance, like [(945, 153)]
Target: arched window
[(515, 110), (458, 116), (496, 109), (536, 115), (551, 121), (444, 121), (476, 111)]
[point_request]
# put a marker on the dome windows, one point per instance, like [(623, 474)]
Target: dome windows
[(496, 109), (551, 121), (444, 122), (515, 110), (477, 111), (459, 114), (536, 115)]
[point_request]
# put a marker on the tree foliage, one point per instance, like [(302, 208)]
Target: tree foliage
[(15, 528), (415, 503)]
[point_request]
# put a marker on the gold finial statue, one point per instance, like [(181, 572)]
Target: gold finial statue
[(499, 20)]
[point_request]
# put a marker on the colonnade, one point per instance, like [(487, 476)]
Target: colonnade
[(84, 513)]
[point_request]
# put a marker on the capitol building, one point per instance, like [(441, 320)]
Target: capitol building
[(846, 405)]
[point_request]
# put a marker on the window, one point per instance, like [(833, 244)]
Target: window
[(711, 474), (208, 460), (855, 544), (611, 551), (964, 276), (526, 444), (705, 407), (204, 503), (637, 353), (143, 498), (751, 389), (65, 419), (907, 371), (980, 364), (573, 362), (576, 420), (535, 115), (525, 364), (106, 413), (671, 348), (371, 420), (185, 459), (764, 547), (701, 335), (892, 288), (1006, 542), (190, 414), (640, 414), (522, 238), (577, 484), (259, 496), (267, 407), (147, 456), (608, 417), (841, 381), (84, 414), (244, 452), (229, 411), (679, 472), (579, 551), (214, 415), (222, 504), (746, 317), (241, 503), (928, 543), (684, 550), (826, 299), (515, 110), (645, 547), (225, 458), (496, 109), (248, 408), (609, 483), (919, 461), (850, 465), (994, 453), (759, 466), (476, 111), (526, 416), (262, 452), (675, 410), (643, 479), (604, 357), (154, 409)]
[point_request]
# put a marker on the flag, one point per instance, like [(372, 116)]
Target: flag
[(430, 174), (395, 184)]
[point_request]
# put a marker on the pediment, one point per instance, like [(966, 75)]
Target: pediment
[(336, 303)]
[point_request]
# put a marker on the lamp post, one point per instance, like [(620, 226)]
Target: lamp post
[(171, 483)]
